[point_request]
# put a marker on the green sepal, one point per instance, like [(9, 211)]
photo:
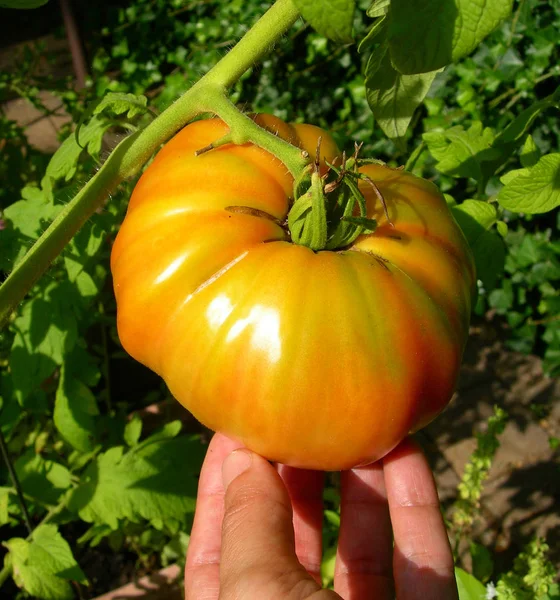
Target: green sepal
[(367, 225)]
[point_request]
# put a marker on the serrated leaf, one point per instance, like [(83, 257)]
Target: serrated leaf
[(83, 247), (46, 331), (118, 103), (331, 18), (75, 409), (22, 4), (536, 190), (40, 478), (530, 153), (429, 34), (133, 430), (28, 219), (469, 587), (155, 481), (393, 97), (64, 162), (44, 566), (459, 151)]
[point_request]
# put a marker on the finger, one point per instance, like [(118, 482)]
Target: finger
[(258, 548), (365, 545), (422, 561), (305, 489), (202, 571)]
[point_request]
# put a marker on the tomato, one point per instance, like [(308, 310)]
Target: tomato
[(323, 360)]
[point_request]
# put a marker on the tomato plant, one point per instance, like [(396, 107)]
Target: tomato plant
[(321, 359)]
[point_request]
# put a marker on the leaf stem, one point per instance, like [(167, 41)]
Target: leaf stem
[(243, 130), (413, 158), (15, 483)]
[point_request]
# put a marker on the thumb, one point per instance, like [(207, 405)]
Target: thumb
[(258, 550)]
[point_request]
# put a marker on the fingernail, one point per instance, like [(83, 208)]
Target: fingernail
[(235, 464)]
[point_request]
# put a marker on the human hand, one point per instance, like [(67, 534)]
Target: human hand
[(257, 531)]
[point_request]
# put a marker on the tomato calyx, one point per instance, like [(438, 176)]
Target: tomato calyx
[(329, 211)]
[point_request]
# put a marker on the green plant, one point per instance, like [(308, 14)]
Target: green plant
[(532, 578), (64, 419), (476, 471)]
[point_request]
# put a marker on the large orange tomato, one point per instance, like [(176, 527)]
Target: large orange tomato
[(322, 360)]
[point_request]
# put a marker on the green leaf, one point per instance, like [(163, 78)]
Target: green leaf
[(429, 34), (515, 131), (378, 8), (64, 162), (528, 252), (508, 140), (74, 411), (155, 480), (28, 219), (331, 18), (502, 299), (502, 228), (44, 566), (328, 565), (133, 430), (176, 549), (468, 586), (536, 190), (375, 35), (483, 213), (83, 247), (41, 478), (460, 151), (475, 218), (22, 4), (530, 153), (4, 501), (489, 256), (511, 175), (393, 97), (118, 103), (46, 331), (482, 563)]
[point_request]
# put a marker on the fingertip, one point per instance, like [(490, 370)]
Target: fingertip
[(408, 447), (235, 464)]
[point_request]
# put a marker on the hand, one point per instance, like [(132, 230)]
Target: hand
[(257, 531)]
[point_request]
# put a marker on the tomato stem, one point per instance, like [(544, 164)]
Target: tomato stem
[(244, 130)]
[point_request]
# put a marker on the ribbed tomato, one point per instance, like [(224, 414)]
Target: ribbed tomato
[(321, 360)]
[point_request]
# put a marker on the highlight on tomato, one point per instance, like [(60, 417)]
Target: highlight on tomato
[(320, 355)]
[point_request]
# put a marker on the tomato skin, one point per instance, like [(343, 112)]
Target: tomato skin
[(322, 360)]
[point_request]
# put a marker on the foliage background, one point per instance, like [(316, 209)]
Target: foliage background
[(62, 343)]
